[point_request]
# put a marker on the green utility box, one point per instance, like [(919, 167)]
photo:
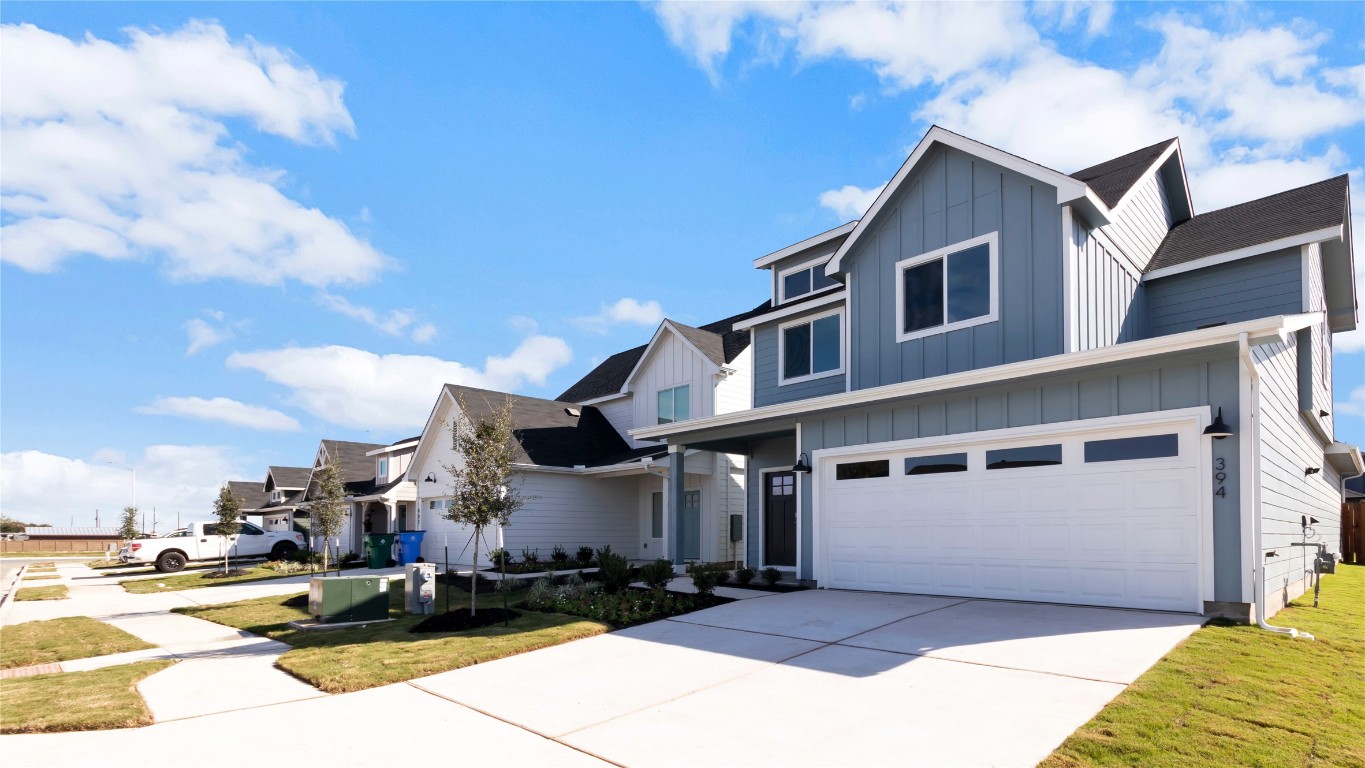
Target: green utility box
[(335, 599)]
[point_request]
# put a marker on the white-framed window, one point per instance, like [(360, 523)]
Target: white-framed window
[(675, 404), (811, 348), (383, 473), (957, 286), (277, 495), (803, 279)]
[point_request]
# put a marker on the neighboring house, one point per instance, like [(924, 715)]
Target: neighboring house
[(250, 498), (43, 538), (378, 497), (590, 485), (284, 488), (1002, 380)]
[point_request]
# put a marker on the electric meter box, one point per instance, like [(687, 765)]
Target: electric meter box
[(335, 599), (419, 588)]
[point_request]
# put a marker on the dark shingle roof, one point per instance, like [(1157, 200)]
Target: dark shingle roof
[(1112, 179), (292, 500), (290, 477), (356, 466), (1316, 206), (710, 344), (548, 435), (609, 376), (248, 494)]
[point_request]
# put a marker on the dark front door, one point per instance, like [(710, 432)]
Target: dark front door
[(691, 516), (779, 519)]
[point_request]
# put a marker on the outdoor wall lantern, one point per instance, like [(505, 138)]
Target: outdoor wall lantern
[(1219, 428), (430, 478), (1323, 414), (801, 464), (1311, 471)]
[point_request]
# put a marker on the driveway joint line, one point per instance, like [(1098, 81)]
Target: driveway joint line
[(526, 728)]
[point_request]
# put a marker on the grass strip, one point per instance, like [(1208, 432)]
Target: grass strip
[(1233, 694), (49, 592), (77, 637), (77, 701), (200, 579), (344, 660)]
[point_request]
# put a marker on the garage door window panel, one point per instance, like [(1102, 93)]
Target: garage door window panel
[(862, 470), (936, 465), (948, 288), (1026, 456), (1132, 448)]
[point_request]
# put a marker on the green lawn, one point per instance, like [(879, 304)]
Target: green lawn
[(78, 637), (49, 592), (199, 579), (364, 657), (77, 701), (1238, 695)]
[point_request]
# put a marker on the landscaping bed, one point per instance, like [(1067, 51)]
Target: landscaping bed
[(1234, 694), (77, 701), (77, 637), (629, 607), (206, 579), (50, 592), (364, 657)]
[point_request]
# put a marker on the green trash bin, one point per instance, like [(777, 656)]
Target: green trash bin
[(378, 549)]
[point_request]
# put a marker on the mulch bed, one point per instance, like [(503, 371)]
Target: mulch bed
[(224, 574), (763, 586), (459, 621), (486, 585), (297, 601)]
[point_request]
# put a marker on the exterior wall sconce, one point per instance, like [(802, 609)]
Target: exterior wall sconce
[(802, 464), (1311, 471), (1219, 428), (430, 478), (1323, 414)]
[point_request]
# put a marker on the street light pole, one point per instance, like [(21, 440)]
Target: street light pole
[(121, 465)]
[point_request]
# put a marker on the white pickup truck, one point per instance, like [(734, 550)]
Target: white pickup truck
[(200, 541)]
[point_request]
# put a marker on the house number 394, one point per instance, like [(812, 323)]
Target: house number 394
[(1219, 475)]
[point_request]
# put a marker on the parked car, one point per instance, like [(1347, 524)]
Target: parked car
[(200, 541)]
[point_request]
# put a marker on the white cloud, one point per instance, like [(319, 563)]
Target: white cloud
[(625, 311), (850, 202), (1066, 14), (1354, 405), (395, 322), (356, 388), (122, 151), (45, 488), (202, 335), (223, 410)]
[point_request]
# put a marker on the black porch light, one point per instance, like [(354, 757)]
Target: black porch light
[(430, 478), (1219, 428), (801, 464), (1311, 471)]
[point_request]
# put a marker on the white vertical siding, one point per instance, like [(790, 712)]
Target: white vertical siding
[(1103, 289), (735, 392), (621, 413), (672, 362), (1287, 447), (1142, 223)]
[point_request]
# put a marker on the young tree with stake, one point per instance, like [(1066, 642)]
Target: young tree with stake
[(329, 506), (228, 511), (482, 494), (128, 523)]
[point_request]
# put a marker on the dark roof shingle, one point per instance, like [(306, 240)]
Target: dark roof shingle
[(610, 375), (1112, 179), (1294, 212), (547, 434), (290, 477), (248, 494)]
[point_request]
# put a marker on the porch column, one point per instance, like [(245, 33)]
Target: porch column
[(677, 483)]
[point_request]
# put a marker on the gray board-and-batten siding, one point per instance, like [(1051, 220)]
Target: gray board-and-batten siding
[(1246, 289), (1208, 377), (950, 198), (768, 389)]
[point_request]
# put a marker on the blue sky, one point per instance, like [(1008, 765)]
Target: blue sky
[(277, 223)]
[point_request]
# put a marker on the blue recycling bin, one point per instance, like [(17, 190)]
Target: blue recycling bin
[(410, 546)]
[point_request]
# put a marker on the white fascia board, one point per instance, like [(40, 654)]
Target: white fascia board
[(1293, 241), (1345, 459), (395, 448), (810, 242), (1259, 331), (605, 398), (1068, 189), (834, 297)]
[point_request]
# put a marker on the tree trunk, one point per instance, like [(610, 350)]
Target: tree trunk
[(474, 573), (227, 548), (324, 555)]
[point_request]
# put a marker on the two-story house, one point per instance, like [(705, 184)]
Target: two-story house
[(587, 483), (284, 488), (379, 497), (1009, 382)]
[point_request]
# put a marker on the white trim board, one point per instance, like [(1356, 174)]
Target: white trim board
[(806, 244), (1261, 330), (782, 380), (992, 241), (833, 297), (1316, 236)]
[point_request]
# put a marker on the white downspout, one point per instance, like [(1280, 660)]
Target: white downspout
[(1257, 557)]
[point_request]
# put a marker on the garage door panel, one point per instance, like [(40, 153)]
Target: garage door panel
[(1119, 534)]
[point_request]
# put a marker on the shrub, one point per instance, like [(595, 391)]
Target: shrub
[(285, 566), (771, 575), (350, 557), (745, 575), (657, 574), (559, 556), (705, 577), (722, 575), (541, 594), (500, 557), (530, 556), (613, 571), (584, 556), (306, 558)]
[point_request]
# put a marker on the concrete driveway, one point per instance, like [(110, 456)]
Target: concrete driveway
[(827, 678)]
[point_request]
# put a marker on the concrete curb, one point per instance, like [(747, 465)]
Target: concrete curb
[(7, 599)]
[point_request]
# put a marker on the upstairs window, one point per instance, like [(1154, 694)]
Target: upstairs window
[(383, 469), (949, 288), (675, 404), (799, 281), (277, 495), (811, 348)]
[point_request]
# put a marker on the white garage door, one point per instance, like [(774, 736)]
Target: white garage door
[(1095, 518)]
